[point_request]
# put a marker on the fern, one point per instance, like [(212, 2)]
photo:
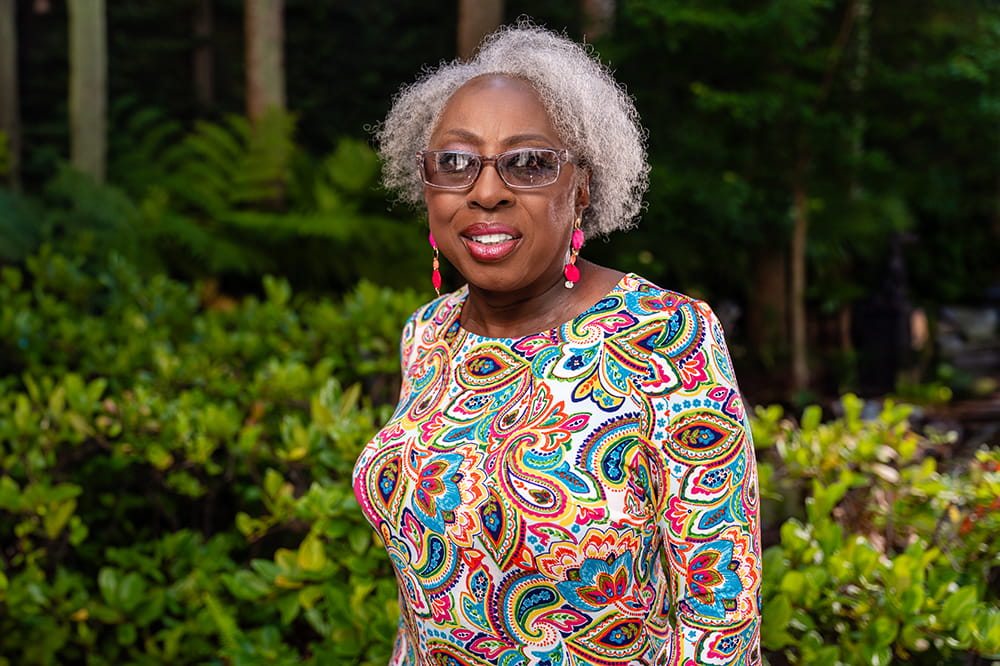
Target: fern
[(228, 198)]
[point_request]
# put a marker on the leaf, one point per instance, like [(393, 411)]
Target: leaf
[(288, 606), (130, 592), (247, 585), (360, 539), (959, 605), (775, 619), (287, 560), (224, 621), (312, 553), (793, 584), (883, 631), (56, 517), (107, 582)]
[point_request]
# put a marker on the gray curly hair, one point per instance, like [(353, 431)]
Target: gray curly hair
[(591, 111)]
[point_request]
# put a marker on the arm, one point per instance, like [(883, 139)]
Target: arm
[(708, 512)]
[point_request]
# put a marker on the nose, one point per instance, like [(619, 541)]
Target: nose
[(490, 191)]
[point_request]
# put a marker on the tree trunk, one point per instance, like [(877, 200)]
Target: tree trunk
[(265, 35), (859, 125), (88, 89), (476, 19), (797, 281), (767, 312), (10, 116), (598, 18), (203, 61)]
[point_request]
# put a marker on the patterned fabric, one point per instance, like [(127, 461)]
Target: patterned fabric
[(587, 495)]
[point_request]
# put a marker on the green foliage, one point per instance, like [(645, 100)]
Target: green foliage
[(225, 199), (232, 198), (749, 94), (883, 558), (175, 488), (175, 481)]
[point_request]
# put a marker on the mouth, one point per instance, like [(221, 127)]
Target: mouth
[(491, 239), (490, 245)]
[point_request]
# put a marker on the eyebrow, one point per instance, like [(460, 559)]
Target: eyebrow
[(465, 135)]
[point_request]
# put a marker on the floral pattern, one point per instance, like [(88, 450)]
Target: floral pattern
[(586, 495)]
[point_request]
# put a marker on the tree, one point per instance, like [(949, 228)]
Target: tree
[(265, 72), (476, 19), (10, 120), (88, 86), (598, 18), (203, 59), (784, 137)]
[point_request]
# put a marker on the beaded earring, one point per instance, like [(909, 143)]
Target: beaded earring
[(435, 273), (571, 272)]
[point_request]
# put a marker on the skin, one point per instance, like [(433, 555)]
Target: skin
[(521, 292)]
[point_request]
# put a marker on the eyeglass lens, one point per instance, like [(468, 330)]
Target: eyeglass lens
[(525, 167)]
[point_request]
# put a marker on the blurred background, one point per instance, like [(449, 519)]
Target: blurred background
[(202, 284), (827, 175)]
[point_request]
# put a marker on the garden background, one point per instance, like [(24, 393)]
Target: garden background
[(202, 286)]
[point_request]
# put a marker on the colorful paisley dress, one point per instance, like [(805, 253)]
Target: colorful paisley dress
[(586, 495)]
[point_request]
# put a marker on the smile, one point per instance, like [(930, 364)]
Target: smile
[(491, 247), (492, 239)]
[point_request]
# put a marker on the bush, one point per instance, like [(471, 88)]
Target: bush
[(175, 489), (894, 560), (175, 481)]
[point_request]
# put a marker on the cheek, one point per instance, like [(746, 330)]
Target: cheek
[(562, 209), (440, 208)]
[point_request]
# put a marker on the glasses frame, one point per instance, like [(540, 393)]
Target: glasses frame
[(562, 157)]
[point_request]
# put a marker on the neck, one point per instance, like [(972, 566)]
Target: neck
[(517, 314)]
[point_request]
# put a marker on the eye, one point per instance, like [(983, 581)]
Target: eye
[(530, 167), (453, 161), (531, 160)]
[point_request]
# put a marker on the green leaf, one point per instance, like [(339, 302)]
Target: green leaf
[(793, 584), (360, 539), (247, 585), (107, 583), (775, 619), (959, 605), (883, 631), (811, 417), (288, 607), (225, 624), (56, 517), (131, 590), (312, 553), (912, 600)]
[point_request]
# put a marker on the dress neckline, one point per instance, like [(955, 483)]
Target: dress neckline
[(460, 333)]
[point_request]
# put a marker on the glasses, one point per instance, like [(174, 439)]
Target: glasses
[(522, 168)]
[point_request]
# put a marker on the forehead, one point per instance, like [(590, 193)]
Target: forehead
[(495, 108)]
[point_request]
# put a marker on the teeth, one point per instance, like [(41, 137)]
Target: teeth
[(491, 239)]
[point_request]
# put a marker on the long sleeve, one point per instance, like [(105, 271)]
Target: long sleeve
[(708, 515)]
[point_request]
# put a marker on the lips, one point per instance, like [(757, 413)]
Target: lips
[(490, 242)]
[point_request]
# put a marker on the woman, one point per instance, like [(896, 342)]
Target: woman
[(568, 477)]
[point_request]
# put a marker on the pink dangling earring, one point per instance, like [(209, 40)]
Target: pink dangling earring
[(571, 272), (435, 273)]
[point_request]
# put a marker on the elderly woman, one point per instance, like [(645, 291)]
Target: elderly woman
[(568, 477)]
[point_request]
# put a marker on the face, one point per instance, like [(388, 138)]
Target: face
[(500, 238)]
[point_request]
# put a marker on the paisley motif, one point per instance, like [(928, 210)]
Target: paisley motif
[(585, 495)]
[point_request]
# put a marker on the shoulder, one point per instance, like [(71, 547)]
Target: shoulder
[(432, 322), (646, 299)]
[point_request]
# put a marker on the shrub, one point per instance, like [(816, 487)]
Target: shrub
[(893, 560), (175, 489), (175, 481)]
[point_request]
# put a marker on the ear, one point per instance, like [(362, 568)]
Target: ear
[(582, 191)]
